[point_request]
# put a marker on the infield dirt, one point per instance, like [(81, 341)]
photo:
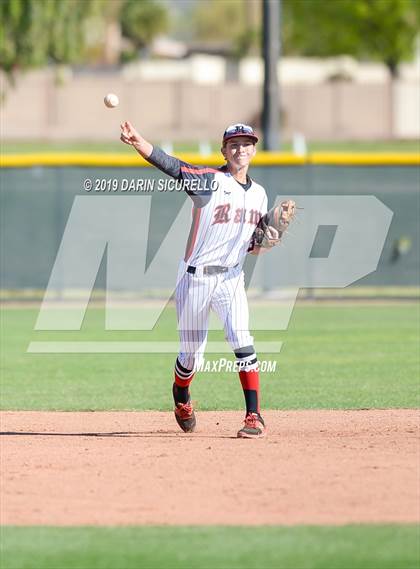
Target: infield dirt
[(133, 468)]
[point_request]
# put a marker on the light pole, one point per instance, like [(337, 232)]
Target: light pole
[(271, 55)]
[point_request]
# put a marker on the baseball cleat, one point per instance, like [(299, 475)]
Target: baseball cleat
[(185, 417), (254, 427)]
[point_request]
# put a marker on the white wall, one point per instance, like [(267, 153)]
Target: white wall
[(406, 115), (185, 110)]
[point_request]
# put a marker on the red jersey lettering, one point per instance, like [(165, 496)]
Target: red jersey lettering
[(221, 214), (254, 217), (239, 215)]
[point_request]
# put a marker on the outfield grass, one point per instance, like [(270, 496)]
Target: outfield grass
[(358, 356), (9, 147), (349, 547)]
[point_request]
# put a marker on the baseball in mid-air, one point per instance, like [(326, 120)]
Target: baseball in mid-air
[(111, 100)]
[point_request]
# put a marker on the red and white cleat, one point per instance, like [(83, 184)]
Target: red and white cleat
[(254, 427), (185, 417)]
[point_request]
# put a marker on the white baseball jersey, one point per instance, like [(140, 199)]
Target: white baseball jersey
[(225, 213)]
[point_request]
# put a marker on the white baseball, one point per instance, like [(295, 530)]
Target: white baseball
[(111, 100)]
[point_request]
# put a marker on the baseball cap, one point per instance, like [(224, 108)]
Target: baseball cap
[(239, 130)]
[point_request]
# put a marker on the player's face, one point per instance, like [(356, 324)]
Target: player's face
[(239, 151)]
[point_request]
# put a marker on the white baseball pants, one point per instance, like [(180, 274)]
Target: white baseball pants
[(196, 294)]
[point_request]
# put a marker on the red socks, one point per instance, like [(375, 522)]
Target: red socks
[(183, 378), (250, 381)]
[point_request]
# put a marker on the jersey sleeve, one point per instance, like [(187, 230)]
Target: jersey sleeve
[(198, 181), (167, 164)]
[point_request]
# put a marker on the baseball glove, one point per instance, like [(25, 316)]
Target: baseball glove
[(273, 225)]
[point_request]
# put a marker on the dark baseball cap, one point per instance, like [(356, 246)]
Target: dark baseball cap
[(239, 130)]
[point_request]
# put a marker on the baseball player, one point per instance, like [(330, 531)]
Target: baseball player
[(227, 206)]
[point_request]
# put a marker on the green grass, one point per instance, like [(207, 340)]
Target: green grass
[(333, 356), (348, 547), (30, 146)]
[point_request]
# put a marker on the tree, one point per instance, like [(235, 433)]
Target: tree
[(232, 24), (34, 32), (384, 30), (142, 21), (23, 41)]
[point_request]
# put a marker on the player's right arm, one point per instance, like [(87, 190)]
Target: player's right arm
[(170, 165), (153, 154)]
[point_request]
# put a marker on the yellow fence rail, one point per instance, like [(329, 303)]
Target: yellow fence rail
[(58, 159)]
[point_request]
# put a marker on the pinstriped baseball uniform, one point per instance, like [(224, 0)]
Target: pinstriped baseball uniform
[(224, 216)]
